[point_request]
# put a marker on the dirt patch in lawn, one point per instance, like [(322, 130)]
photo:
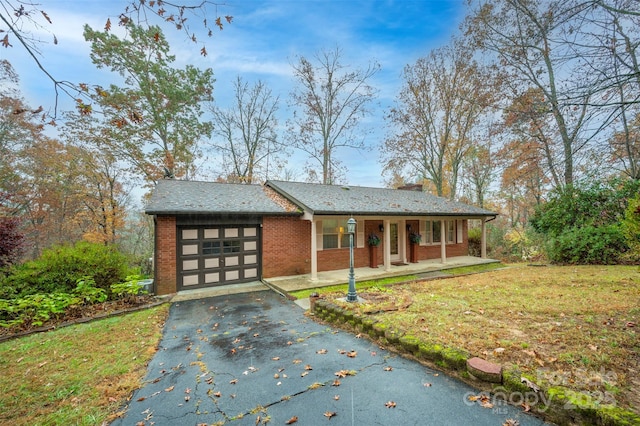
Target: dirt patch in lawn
[(571, 327)]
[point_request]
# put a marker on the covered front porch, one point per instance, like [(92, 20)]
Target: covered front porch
[(425, 268)]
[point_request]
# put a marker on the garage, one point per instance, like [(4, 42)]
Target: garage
[(217, 255)]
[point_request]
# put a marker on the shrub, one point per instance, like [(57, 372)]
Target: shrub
[(128, 289), (588, 245), (60, 268), (35, 309), (87, 291), (585, 223)]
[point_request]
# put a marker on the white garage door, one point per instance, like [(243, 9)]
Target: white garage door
[(217, 255)]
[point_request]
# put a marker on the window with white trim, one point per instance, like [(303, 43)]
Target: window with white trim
[(430, 231), (334, 234)]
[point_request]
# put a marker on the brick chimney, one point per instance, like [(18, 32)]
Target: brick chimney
[(412, 187)]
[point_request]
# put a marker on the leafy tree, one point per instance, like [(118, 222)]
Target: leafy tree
[(534, 42), (11, 235), (246, 133), (480, 167), (105, 195), (625, 145), (153, 121), (331, 102), (16, 19), (441, 100)]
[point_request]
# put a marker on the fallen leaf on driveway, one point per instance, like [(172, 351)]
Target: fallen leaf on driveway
[(308, 367), (275, 358), (390, 404), (336, 397), (291, 421), (304, 373), (336, 382), (330, 414), (233, 382), (321, 351), (169, 389), (511, 422), (388, 368), (352, 354)]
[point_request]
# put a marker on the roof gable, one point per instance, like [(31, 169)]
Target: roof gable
[(346, 200)]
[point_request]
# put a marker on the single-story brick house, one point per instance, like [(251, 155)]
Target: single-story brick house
[(211, 234)]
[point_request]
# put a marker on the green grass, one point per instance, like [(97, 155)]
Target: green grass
[(385, 282), (382, 282), (77, 375), (462, 270), (578, 321)]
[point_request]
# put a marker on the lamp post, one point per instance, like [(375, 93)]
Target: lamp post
[(351, 294)]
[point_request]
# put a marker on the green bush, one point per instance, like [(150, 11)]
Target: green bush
[(35, 309), (128, 289), (587, 223), (60, 268), (87, 291), (588, 245)]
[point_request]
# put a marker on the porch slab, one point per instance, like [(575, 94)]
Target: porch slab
[(218, 291), (425, 269)]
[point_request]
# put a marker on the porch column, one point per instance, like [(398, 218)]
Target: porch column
[(314, 252), (443, 241), (483, 239), (387, 245), (402, 241)]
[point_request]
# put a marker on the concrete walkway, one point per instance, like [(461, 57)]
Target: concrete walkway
[(254, 359), (424, 268)]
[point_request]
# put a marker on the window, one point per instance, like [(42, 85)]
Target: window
[(334, 233), (430, 230), (436, 231), (211, 247)]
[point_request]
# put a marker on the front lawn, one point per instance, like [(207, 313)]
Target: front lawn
[(569, 327), (77, 375)]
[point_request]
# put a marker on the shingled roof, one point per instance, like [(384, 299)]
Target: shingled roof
[(346, 200), (175, 197)]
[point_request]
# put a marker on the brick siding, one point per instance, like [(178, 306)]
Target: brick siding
[(286, 246), (286, 249), (166, 256)]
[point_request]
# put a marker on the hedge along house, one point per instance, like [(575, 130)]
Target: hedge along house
[(211, 234)]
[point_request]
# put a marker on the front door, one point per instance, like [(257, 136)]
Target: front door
[(395, 252)]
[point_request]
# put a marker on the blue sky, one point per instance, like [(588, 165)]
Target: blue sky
[(261, 43)]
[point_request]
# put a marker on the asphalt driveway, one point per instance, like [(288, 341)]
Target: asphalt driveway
[(254, 358)]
